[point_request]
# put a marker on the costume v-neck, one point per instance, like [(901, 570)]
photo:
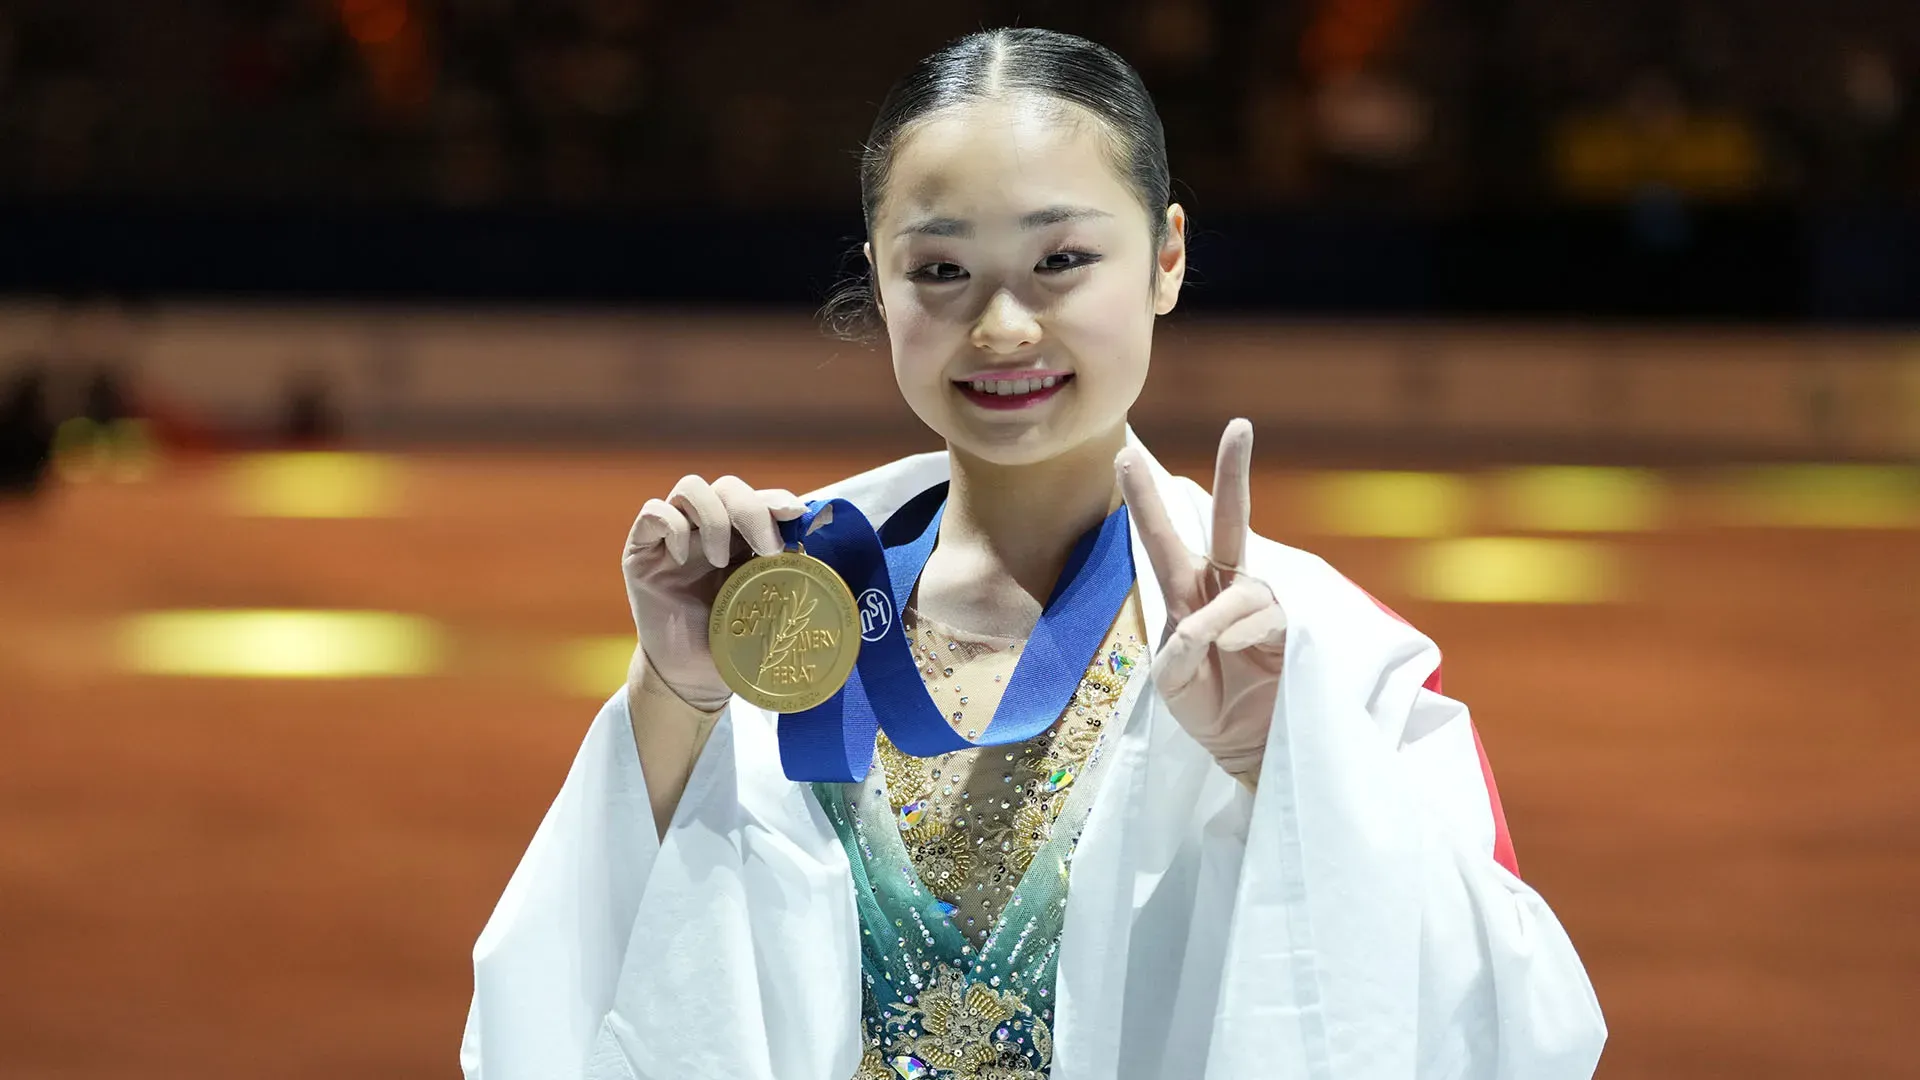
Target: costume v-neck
[(942, 997), (974, 856)]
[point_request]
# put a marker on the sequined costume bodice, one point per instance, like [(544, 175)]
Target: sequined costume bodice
[(961, 863)]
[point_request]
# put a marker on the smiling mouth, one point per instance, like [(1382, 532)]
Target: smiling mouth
[(1012, 393)]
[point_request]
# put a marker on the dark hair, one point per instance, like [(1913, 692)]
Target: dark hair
[(988, 64)]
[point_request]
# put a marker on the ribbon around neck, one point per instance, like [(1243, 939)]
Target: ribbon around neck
[(833, 742)]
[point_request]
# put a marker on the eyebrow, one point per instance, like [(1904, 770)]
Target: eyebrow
[(1039, 219)]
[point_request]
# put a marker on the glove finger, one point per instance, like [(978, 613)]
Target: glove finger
[(748, 515), (1266, 628), (784, 505), (1236, 602), (696, 498), (1176, 665), (660, 523)]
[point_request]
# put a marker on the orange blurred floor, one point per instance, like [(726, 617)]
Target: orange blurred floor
[(1715, 779)]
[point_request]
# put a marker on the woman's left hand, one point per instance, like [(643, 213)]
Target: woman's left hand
[(1218, 668)]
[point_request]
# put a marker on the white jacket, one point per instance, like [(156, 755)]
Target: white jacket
[(1349, 921)]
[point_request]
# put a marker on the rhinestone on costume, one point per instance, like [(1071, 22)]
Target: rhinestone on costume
[(1060, 778), (945, 909), (1119, 663), (913, 813), (910, 1067)]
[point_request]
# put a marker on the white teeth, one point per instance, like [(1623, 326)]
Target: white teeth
[(1010, 387)]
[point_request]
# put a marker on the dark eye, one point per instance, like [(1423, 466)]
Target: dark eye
[(938, 271), (1066, 260)]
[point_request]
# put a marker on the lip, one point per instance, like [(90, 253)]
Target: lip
[(1007, 402), (998, 374)]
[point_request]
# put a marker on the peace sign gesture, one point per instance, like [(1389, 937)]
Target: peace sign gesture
[(1219, 667)]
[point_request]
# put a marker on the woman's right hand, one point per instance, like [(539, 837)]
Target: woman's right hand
[(677, 558)]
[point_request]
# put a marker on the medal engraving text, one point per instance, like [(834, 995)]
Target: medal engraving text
[(784, 632)]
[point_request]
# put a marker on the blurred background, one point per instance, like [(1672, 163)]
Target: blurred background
[(340, 340)]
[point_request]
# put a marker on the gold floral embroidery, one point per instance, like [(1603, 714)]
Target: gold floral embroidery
[(1031, 829), (1002, 1072), (968, 1030), (961, 829), (941, 854), (1101, 686), (906, 781), (959, 1027), (874, 1067), (973, 824)]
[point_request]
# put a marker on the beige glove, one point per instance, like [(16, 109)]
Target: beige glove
[(677, 558), (1218, 668)]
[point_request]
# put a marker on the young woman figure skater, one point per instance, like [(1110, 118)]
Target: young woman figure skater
[(1214, 819)]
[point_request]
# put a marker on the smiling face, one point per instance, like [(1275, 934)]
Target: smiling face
[(1016, 271)]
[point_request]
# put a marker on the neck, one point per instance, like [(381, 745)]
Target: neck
[(1007, 532)]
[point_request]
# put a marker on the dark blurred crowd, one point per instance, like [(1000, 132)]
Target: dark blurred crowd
[(651, 104)]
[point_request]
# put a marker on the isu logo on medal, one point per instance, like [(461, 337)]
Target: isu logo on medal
[(876, 615)]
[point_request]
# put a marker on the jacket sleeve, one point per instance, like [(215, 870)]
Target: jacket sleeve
[(546, 965), (1503, 994), (1381, 930)]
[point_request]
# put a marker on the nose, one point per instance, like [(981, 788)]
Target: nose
[(1005, 325)]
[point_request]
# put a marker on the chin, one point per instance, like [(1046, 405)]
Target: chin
[(1015, 447), (1009, 454)]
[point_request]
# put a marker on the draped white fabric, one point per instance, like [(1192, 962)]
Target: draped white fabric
[(1346, 922)]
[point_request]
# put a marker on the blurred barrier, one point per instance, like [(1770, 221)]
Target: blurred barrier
[(1497, 391)]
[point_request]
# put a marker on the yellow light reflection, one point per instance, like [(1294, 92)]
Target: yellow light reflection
[(133, 450), (1391, 504), (1515, 570), (267, 644), (1570, 498), (318, 484), (594, 667), (80, 450), (1827, 496)]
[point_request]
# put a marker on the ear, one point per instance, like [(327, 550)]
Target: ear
[(873, 279), (1170, 262)]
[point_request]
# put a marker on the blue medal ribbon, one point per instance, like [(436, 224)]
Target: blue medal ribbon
[(833, 741)]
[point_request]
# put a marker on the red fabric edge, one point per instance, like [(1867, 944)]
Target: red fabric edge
[(1503, 852)]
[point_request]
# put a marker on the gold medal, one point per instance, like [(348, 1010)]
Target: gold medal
[(784, 632)]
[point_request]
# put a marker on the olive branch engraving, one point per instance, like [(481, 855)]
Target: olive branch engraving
[(799, 612)]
